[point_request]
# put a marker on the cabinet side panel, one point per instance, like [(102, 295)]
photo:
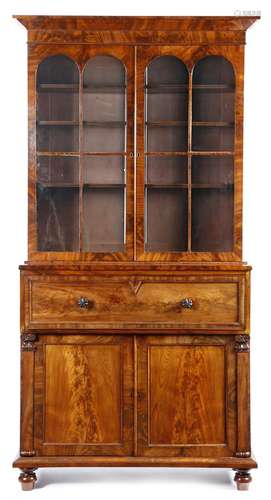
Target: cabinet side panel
[(243, 396), (27, 414)]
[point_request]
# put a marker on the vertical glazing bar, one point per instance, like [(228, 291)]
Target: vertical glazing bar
[(81, 159), (135, 160), (189, 165)]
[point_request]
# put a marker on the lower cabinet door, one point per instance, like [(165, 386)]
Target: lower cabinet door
[(186, 396), (84, 395)]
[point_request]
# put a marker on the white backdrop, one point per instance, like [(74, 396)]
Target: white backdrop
[(120, 483)]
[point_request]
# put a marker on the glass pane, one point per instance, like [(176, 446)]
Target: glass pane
[(209, 138), (101, 71), (57, 105), (210, 170), (58, 70), (104, 138), (212, 220), (104, 105), (57, 139), (104, 170), (166, 138), (58, 219), (213, 105), (166, 221), (58, 171), (166, 105), (103, 223), (213, 70), (166, 109), (104, 117), (166, 170), (166, 70)]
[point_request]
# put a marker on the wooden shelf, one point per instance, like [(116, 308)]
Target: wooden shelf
[(211, 153), (212, 124), (68, 87), (173, 123), (213, 186), (72, 123), (57, 123), (166, 153), (167, 123), (104, 89), (166, 186), (167, 88), (180, 87), (88, 185), (104, 124), (211, 86), (193, 186), (58, 153), (77, 154), (190, 153), (60, 185)]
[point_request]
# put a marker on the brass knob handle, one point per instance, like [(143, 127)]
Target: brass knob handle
[(83, 303), (187, 303)]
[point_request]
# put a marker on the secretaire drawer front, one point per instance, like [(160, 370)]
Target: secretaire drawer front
[(200, 303)]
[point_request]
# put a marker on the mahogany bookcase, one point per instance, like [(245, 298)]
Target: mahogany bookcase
[(135, 301)]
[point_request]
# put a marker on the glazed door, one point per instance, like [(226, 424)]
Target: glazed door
[(81, 153), (186, 396), (189, 160), (83, 395)]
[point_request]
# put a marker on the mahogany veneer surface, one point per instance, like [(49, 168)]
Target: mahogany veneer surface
[(135, 302)]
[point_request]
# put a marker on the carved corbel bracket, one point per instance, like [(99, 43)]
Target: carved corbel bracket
[(27, 342), (242, 343)]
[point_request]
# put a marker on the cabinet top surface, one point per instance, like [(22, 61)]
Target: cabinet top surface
[(184, 23)]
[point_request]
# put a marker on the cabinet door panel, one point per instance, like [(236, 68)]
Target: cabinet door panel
[(186, 110), (63, 158), (186, 393), (83, 386)]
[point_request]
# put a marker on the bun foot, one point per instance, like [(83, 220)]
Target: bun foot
[(242, 479), (27, 479)]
